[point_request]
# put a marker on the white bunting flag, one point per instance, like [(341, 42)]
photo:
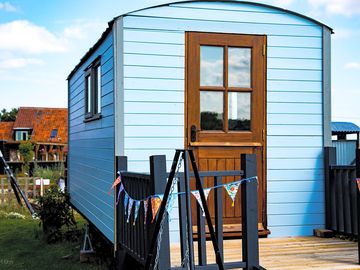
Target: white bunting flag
[(196, 194)]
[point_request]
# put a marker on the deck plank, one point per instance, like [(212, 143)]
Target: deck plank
[(290, 253)]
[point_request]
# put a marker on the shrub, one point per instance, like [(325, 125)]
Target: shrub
[(26, 149), (56, 216)]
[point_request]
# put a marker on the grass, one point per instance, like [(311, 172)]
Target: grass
[(22, 245)]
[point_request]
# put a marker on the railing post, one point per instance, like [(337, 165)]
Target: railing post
[(329, 160), (158, 177), (358, 199), (249, 206), (120, 254)]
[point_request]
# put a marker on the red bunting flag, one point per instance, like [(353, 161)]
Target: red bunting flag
[(116, 182)]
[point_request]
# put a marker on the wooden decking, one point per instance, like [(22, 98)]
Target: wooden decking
[(292, 253)]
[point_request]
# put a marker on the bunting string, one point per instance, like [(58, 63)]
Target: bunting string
[(156, 199)]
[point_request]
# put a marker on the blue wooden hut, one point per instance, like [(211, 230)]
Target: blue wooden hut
[(221, 77)]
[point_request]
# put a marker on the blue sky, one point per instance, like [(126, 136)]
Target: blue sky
[(41, 41)]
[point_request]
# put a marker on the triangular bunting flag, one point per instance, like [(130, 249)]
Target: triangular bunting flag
[(131, 202), (116, 182), (155, 205), (196, 194), (121, 189), (232, 189), (137, 207), (146, 205), (358, 183), (126, 200)]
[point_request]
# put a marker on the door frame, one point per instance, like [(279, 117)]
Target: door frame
[(188, 62)]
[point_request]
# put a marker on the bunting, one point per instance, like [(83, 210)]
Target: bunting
[(232, 189), (155, 204), (146, 205), (126, 200), (197, 196), (131, 202), (155, 200), (136, 213), (358, 183), (121, 189), (116, 182)]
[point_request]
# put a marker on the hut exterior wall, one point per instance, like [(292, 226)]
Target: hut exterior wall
[(91, 144), (153, 98)]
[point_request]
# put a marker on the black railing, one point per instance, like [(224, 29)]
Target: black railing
[(341, 196), (135, 240), (342, 200)]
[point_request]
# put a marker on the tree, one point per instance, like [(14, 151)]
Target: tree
[(8, 116), (26, 149)]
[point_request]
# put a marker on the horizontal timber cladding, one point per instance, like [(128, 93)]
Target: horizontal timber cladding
[(91, 145), (154, 68)]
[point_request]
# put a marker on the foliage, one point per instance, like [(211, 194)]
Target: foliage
[(8, 116), (26, 150), (55, 213), (54, 172)]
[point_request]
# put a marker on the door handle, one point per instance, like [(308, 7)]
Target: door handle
[(193, 133)]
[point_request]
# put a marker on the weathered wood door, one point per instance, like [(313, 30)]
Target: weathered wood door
[(225, 110)]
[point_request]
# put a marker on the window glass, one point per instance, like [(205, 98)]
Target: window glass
[(89, 93), (239, 107), (239, 63), (211, 110), (211, 66)]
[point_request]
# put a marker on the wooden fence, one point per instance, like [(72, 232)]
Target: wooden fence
[(28, 185), (135, 240)]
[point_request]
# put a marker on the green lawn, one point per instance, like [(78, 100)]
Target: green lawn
[(22, 247)]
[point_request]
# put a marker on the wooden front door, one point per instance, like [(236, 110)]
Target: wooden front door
[(225, 110)]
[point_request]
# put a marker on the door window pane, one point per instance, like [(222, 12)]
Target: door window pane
[(239, 67), (211, 110), (211, 66), (239, 111)]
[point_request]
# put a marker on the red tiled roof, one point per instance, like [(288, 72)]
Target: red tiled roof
[(6, 131), (42, 121)]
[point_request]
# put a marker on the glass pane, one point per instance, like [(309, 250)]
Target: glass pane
[(211, 110), (88, 85), (239, 67), (239, 111), (98, 71), (211, 66)]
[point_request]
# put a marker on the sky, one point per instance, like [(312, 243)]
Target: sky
[(42, 41)]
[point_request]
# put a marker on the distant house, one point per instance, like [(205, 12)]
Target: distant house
[(46, 128)]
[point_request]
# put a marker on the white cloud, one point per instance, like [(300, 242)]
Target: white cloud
[(352, 65), (341, 7), (26, 37), (7, 7), (284, 3), (82, 28), (14, 63)]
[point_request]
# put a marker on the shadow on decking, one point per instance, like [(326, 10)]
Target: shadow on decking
[(290, 253)]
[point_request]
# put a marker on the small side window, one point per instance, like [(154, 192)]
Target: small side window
[(93, 91)]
